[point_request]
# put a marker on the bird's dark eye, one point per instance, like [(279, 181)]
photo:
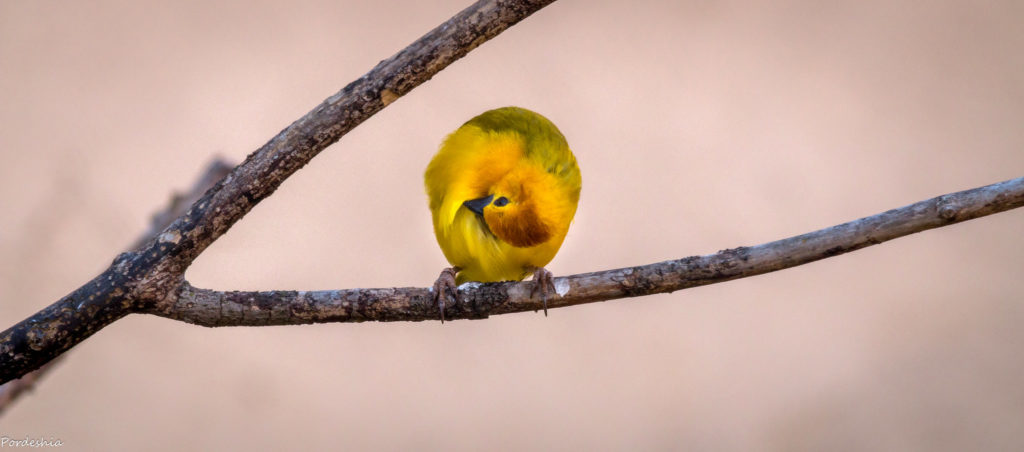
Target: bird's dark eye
[(500, 202)]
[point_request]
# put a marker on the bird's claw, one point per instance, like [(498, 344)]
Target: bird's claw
[(444, 286), (543, 282)]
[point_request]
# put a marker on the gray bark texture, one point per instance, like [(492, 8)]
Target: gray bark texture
[(477, 301)]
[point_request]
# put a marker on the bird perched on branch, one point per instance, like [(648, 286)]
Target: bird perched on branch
[(503, 189)]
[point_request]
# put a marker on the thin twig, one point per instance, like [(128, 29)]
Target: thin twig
[(12, 390), (215, 171)]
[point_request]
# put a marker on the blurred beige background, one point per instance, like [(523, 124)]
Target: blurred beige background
[(698, 126)]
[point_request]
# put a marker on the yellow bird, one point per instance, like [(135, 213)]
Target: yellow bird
[(503, 189)]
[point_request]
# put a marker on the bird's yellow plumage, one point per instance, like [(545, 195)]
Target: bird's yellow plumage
[(503, 189)]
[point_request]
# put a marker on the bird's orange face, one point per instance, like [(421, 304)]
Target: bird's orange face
[(516, 213), (516, 222)]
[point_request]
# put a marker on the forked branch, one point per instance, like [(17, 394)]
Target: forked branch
[(148, 277)]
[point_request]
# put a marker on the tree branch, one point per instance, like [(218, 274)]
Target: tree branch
[(215, 171), (213, 308), (148, 277)]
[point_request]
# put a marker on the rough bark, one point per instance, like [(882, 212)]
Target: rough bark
[(147, 278), (213, 308)]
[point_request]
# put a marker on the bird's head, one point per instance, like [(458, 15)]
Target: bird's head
[(516, 209)]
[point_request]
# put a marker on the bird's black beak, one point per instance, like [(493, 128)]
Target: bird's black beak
[(477, 205)]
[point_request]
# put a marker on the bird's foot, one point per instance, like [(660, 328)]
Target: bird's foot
[(543, 282), (445, 289)]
